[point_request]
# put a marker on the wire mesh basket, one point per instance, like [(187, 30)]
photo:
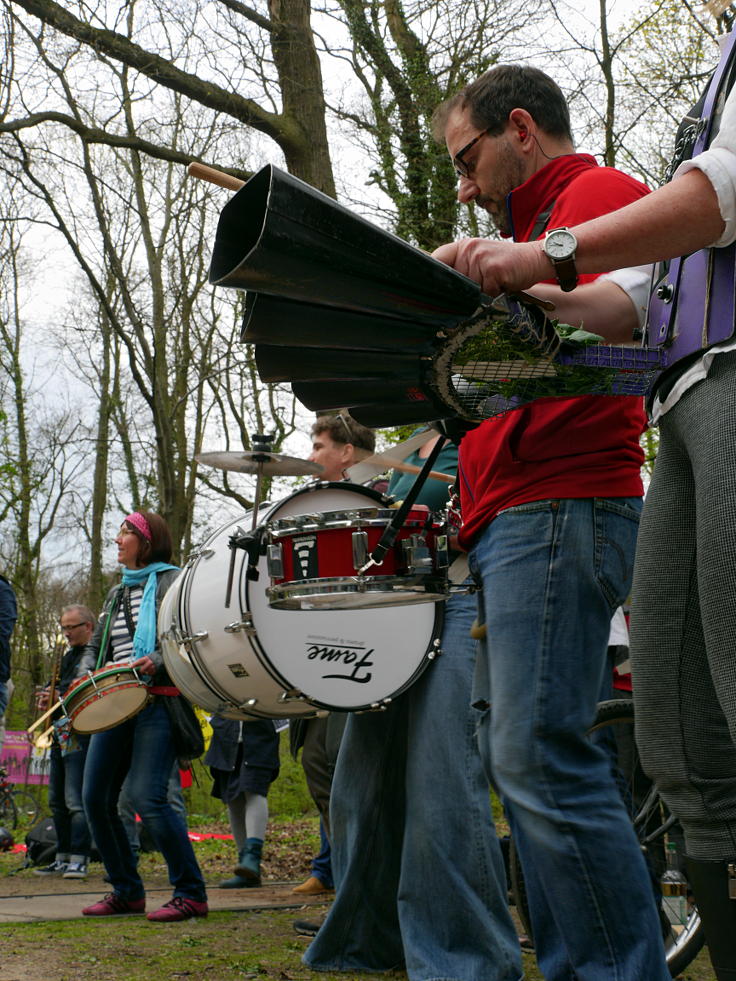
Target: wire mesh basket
[(509, 353)]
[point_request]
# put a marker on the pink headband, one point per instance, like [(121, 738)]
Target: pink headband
[(140, 524)]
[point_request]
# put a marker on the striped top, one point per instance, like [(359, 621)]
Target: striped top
[(120, 638)]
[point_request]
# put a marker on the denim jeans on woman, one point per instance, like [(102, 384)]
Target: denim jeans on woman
[(418, 869), (552, 574), (144, 747)]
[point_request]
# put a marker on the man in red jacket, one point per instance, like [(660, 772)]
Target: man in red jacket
[(551, 496)]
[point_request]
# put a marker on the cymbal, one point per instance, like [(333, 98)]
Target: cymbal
[(257, 462)]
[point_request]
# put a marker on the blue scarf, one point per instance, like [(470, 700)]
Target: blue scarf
[(144, 640)]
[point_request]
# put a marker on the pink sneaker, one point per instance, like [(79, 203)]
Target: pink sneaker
[(178, 908), (114, 905)]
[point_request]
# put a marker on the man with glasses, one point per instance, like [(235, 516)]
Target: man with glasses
[(551, 496), (67, 762)]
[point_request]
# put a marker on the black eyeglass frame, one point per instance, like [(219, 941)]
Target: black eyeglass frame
[(73, 626), (462, 169)]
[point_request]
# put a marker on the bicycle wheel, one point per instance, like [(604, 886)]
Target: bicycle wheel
[(654, 827), (26, 808), (8, 813)]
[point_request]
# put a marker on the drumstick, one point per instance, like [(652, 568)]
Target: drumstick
[(219, 177), (433, 474), (42, 718), (390, 462)]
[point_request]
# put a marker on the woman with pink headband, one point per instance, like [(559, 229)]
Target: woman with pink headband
[(141, 748)]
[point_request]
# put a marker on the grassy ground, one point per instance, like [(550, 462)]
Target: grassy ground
[(259, 945)]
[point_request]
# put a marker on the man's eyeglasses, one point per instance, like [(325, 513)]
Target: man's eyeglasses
[(71, 626), (462, 169)]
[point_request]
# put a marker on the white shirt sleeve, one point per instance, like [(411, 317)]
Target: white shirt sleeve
[(636, 282), (718, 163)]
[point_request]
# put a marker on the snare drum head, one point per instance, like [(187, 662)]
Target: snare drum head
[(340, 659)]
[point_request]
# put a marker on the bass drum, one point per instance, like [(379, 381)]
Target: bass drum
[(253, 660)]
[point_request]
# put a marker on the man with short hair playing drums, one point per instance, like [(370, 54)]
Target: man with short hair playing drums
[(66, 768), (335, 439)]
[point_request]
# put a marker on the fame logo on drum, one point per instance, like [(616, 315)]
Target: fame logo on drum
[(356, 658)]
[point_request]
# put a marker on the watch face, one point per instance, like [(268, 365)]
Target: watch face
[(560, 244)]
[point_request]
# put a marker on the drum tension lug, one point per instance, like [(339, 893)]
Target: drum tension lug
[(200, 635), (293, 695), (436, 650), (246, 625)]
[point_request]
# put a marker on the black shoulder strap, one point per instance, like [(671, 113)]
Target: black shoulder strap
[(541, 223)]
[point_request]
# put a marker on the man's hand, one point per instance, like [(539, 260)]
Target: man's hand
[(499, 267)]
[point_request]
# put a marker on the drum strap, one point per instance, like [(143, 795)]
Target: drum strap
[(128, 612), (388, 538)]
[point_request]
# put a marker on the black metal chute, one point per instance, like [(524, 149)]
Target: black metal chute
[(292, 364), (278, 321), (278, 235)]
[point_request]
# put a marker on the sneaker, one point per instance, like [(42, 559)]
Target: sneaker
[(56, 868), (114, 905), (75, 870), (178, 908), (306, 928)]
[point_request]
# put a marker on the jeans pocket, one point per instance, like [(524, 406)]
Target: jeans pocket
[(616, 530)]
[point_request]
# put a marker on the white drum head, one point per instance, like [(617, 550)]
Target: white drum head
[(341, 659)]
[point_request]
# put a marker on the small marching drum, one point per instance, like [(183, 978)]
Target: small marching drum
[(104, 698), (257, 661), (320, 560)]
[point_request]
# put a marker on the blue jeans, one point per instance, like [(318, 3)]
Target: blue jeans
[(65, 799), (143, 747), (322, 863), (552, 574), (127, 811), (418, 869), (4, 697)]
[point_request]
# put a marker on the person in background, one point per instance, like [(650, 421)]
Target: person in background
[(338, 441), (243, 758), (420, 879), (8, 617), (66, 769), (143, 745)]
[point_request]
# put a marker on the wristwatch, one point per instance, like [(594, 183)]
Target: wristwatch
[(559, 245)]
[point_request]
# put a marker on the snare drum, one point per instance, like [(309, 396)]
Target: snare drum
[(315, 558), (104, 698), (256, 661)]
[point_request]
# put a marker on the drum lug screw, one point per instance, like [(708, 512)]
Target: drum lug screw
[(200, 635), (665, 292), (246, 625)]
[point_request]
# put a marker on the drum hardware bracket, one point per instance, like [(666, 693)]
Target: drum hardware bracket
[(251, 541), (293, 695), (246, 625), (436, 650), (360, 551), (199, 635)]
